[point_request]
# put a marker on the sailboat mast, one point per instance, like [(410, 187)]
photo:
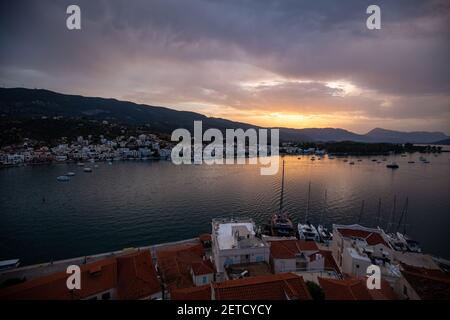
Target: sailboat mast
[(379, 211), (403, 217), (391, 222), (307, 204), (282, 191), (323, 211), (361, 212)]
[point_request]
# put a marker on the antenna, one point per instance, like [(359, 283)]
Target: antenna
[(307, 204), (282, 190), (361, 212)]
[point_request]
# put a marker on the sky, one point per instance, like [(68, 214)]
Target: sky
[(288, 63)]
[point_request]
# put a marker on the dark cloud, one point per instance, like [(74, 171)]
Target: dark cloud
[(184, 53)]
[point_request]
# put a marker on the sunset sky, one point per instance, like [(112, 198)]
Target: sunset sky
[(286, 63)]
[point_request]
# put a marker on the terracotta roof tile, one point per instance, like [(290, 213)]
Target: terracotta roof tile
[(429, 284), (175, 264), (193, 293), (281, 286), (372, 238), (287, 249), (354, 289), (136, 276), (96, 277)]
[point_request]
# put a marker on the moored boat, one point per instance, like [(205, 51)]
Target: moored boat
[(392, 165), (63, 178)]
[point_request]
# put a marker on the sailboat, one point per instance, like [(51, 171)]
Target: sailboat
[(324, 234), (280, 224), (400, 241), (306, 231)]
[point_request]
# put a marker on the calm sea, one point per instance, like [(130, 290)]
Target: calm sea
[(138, 203)]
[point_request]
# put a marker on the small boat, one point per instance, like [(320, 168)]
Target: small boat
[(110, 163), (80, 164), (330, 157), (9, 264), (412, 245), (70, 174), (325, 236), (359, 160), (392, 165), (403, 155), (63, 178), (281, 226), (308, 232), (87, 169), (351, 162), (95, 165), (345, 160), (411, 162)]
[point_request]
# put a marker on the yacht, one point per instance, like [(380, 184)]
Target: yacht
[(280, 224), (70, 174), (87, 169), (325, 235), (411, 244), (9, 264), (308, 232)]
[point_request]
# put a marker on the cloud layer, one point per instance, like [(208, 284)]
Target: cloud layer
[(291, 63)]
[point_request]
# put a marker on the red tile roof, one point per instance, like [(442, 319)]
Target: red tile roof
[(136, 276), (429, 284), (133, 275), (372, 238), (96, 277), (330, 263), (175, 264), (355, 289), (281, 286), (193, 293), (287, 249), (203, 267)]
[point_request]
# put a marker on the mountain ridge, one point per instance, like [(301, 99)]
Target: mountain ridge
[(42, 102)]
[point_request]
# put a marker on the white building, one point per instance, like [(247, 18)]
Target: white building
[(355, 247), (295, 255), (234, 241)]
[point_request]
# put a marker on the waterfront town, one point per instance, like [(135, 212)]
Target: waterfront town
[(236, 261), (142, 147)]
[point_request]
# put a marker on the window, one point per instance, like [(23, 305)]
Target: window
[(357, 266), (205, 279), (106, 296)]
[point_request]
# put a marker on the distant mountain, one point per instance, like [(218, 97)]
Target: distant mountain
[(383, 135), (332, 134), (23, 102)]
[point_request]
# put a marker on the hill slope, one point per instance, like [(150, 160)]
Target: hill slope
[(21, 102)]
